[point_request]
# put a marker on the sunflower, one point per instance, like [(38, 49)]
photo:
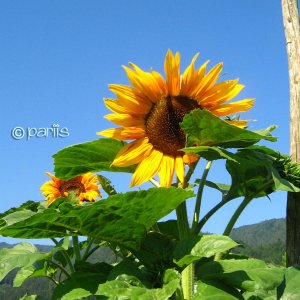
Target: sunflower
[(150, 111), (84, 187)]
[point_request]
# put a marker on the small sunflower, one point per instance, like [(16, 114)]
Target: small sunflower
[(84, 187), (149, 113)]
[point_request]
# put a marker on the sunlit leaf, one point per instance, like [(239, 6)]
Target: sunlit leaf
[(121, 218), (195, 248), (204, 129), (21, 255), (91, 156), (290, 288)]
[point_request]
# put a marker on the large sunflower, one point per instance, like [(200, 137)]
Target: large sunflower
[(149, 113), (84, 187)]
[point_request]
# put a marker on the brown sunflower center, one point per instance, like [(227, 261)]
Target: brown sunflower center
[(73, 185), (162, 123)]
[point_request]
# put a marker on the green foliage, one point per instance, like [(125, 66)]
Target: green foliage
[(121, 218), (92, 156), (236, 276), (205, 129), (197, 247)]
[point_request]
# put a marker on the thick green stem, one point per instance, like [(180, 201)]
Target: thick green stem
[(199, 197), (235, 216), (76, 247), (187, 275), (182, 221), (232, 222)]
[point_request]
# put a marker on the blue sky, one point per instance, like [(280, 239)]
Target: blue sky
[(57, 58)]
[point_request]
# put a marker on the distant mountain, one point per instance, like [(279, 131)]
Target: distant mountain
[(261, 234), (264, 240)]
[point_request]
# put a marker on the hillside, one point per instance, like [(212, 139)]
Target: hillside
[(260, 234), (264, 240)]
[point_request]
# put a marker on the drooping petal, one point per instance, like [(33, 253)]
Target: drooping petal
[(179, 166), (166, 170), (238, 123), (123, 134), (147, 168), (121, 107), (133, 153)]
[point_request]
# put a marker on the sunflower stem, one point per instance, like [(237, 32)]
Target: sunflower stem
[(236, 215), (199, 197), (232, 222), (76, 247), (187, 275), (209, 214)]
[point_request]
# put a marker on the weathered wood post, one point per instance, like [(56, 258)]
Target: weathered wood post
[(292, 34)]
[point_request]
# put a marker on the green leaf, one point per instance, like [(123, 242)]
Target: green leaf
[(156, 251), (204, 129), (78, 286), (129, 268), (246, 274), (91, 156), (169, 228), (210, 153), (290, 288), (215, 290), (118, 289), (221, 187), (121, 218), (106, 185), (21, 255), (255, 174), (197, 247)]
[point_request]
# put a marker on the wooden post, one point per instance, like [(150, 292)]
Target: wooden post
[(292, 35)]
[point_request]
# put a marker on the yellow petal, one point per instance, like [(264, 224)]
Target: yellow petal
[(123, 134), (179, 166), (125, 120), (208, 80), (133, 153), (122, 107), (238, 123), (147, 168), (232, 108), (172, 70), (166, 170)]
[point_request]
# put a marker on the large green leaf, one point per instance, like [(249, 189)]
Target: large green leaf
[(215, 290), (91, 156), (121, 218), (210, 153), (290, 288), (195, 248), (118, 289), (204, 129), (156, 252), (21, 255), (82, 285), (79, 285), (255, 174), (247, 275)]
